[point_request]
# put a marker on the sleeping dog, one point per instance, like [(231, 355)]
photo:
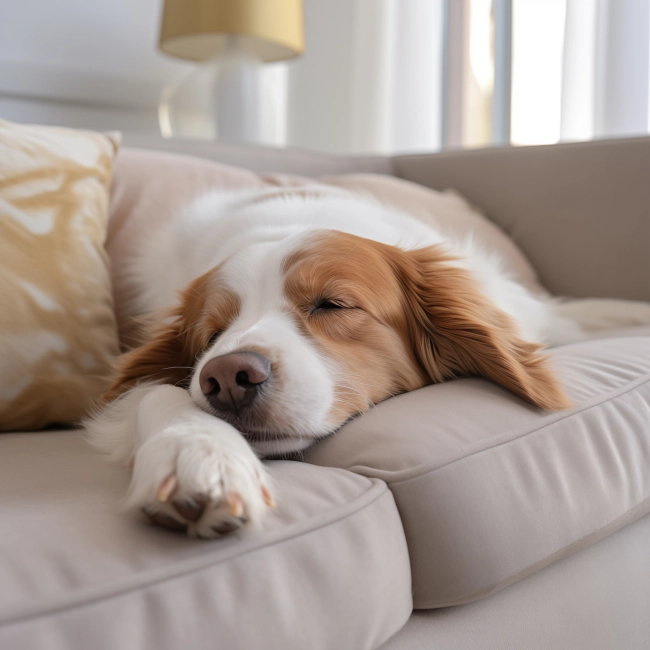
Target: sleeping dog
[(280, 317)]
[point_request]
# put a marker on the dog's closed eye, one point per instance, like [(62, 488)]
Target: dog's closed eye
[(328, 304)]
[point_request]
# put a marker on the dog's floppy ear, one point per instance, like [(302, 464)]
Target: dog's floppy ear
[(456, 331), (170, 348)]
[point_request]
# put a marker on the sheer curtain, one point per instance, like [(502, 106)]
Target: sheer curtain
[(578, 69), (606, 66), (406, 75), (371, 78), (603, 66)]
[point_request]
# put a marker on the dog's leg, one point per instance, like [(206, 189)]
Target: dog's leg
[(113, 430), (191, 471)]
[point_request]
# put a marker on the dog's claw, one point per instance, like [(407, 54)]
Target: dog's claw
[(167, 488), (268, 497), (235, 504)]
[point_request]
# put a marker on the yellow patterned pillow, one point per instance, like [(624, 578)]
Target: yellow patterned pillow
[(57, 328)]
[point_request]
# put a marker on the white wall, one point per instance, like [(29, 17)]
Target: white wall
[(93, 64)]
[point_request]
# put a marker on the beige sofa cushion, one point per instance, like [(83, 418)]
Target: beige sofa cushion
[(57, 329), (151, 188), (330, 569), (490, 488), (597, 599)]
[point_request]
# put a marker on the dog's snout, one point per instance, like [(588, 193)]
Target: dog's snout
[(231, 382)]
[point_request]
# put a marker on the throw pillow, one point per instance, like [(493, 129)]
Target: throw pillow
[(57, 327)]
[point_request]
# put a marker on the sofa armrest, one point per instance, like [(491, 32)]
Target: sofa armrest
[(580, 211)]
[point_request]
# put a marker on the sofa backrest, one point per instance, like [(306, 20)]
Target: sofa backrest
[(580, 212), (260, 159)]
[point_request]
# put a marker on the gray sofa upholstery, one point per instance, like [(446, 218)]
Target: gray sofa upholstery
[(504, 526), (490, 490)]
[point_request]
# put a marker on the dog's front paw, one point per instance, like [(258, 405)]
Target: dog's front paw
[(200, 482)]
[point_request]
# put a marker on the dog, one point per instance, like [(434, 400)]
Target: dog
[(279, 316)]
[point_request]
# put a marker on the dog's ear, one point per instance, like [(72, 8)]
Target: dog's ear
[(456, 331), (170, 348)]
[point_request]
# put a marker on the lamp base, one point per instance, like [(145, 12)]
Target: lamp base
[(237, 95), (219, 99)]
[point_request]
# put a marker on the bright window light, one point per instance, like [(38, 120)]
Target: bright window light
[(479, 77), (537, 53)]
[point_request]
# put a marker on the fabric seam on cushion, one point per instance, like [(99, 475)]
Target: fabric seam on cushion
[(637, 383), (611, 527), (474, 153), (366, 499)]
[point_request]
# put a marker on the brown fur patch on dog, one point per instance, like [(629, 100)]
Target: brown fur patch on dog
[(406, 319), (178, 336)]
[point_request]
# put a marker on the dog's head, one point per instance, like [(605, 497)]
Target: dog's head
[(288, 340)]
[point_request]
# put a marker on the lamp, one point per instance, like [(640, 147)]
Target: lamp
[(233, 38)]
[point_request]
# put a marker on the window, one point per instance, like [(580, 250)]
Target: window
[(540, 71)]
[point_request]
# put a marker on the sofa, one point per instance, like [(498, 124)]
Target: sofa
[(456, 516)]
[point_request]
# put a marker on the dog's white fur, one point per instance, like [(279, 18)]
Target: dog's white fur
[(168, 431)]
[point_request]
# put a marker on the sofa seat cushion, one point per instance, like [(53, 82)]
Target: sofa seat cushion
[(329, 570), (640, 330), (490, 488), (597, 599)]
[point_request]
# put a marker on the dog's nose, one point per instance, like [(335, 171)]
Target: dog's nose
[(231, 382)]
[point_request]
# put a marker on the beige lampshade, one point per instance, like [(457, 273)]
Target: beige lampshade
[(198, 29)]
